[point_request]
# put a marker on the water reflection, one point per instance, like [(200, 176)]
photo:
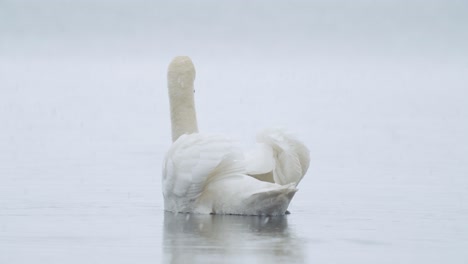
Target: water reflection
[(192, 238)]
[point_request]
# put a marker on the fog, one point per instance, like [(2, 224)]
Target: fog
[(376, 90)]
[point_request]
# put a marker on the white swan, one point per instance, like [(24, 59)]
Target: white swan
[(208, 174)]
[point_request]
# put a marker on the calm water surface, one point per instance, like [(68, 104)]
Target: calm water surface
[(377, 90)]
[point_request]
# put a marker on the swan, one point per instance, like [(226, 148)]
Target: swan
[(209, 174)]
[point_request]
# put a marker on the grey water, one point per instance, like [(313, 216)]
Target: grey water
[(376, 90)]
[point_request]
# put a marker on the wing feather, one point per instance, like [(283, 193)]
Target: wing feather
[(191, 162), (281, 158)]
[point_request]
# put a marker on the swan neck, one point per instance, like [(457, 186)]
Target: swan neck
[(183, 118), (181, 76)]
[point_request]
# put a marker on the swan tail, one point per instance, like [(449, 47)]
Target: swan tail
[(244, 195), (272, 202)]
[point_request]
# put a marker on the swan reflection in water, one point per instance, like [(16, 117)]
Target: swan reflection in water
[(193, 238)]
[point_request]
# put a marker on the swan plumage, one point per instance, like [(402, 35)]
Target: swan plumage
[(205, 173)]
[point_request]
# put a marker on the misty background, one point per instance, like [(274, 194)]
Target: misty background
[(376, 90)]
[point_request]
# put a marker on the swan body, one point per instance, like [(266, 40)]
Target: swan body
[(209, 174)]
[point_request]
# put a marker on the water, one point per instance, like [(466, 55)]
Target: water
[(377, 91)]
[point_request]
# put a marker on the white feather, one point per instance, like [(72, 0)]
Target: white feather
[(209, 174)]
